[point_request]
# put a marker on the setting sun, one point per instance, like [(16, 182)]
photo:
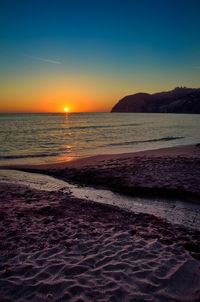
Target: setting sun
[(66, 109)]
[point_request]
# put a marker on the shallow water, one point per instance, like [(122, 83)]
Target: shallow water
[(40, 138), (174, 210)]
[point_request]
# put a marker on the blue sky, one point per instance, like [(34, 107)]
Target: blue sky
[(124, 46)]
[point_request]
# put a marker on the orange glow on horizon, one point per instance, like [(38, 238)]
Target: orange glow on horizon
[(42, 92), (47, 93), (39, 90)]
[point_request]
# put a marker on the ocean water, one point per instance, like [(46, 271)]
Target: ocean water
[(42, 138)]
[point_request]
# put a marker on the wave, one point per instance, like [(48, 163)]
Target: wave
[(71, 128), (101, 126), (29, 155), (127, 125), (87, 127), (168, 138)]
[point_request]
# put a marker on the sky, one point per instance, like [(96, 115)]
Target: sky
[(86, 55)]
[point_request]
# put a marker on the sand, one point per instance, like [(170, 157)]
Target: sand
[(55, 247), (168, 172)]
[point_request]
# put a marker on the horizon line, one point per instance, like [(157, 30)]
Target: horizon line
[(50, 112)]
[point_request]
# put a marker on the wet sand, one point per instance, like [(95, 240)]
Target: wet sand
[(168, 172), (173, 210), (59, 248)]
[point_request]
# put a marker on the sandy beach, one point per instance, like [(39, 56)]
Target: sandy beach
[(165, 172), (59, 248)]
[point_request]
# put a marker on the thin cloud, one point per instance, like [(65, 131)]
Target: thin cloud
[(43, 59), (196, 67)]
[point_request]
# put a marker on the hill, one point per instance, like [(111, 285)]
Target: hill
[(178, 100)]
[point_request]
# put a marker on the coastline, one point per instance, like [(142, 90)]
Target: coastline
[(168, 172), (181, 150)]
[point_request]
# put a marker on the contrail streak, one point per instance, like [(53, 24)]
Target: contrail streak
[(43, 59)]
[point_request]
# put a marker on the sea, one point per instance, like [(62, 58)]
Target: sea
[(50, 137)]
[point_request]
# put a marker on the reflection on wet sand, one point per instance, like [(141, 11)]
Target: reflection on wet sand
[(173, 210)]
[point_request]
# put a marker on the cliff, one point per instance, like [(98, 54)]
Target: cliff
[(178, 100)]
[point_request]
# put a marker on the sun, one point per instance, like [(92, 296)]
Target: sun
[(66, 109)]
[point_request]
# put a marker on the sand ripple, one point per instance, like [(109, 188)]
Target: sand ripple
[(57, 248)]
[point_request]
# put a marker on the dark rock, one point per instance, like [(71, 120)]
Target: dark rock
[(178, 100)]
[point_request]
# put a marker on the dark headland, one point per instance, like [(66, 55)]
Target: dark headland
[(178, 100)]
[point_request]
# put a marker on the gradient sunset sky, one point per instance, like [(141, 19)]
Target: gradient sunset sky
[(86, 55)]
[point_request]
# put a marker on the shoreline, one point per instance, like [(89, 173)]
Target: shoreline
[(180, 150), (174, 210), (168, 172)]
